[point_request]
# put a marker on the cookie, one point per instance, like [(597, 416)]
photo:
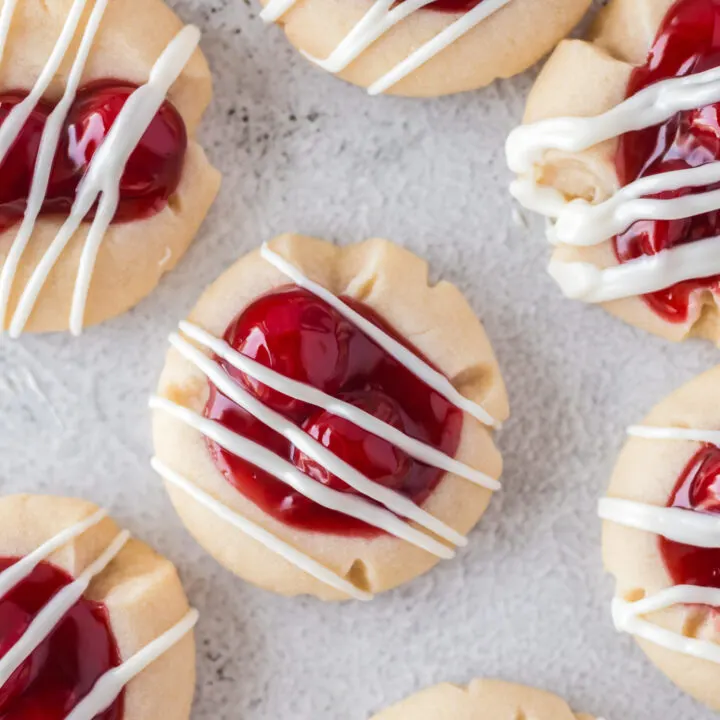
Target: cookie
[(661, 537), (620, 151), (323, 421), (93, 624), (481, 700), (424, 48), (102, 184)]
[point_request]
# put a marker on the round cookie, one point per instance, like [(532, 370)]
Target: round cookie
[(480, 700), (627, 233), (660, 538), (133, 615), (281, 539), (425, 49), (167, 183)]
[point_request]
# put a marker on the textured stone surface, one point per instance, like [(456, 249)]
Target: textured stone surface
[(527, 601)]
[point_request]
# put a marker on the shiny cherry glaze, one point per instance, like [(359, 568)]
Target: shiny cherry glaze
[(453, 6), (299, 335), (688, 43), (698, 490), (152, 173), (67, 664)]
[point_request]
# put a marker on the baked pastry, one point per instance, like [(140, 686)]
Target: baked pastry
[(92, 623), (299, 443), (424, 47), (481, 700), (621, 149), (102, 186), (661, 537)]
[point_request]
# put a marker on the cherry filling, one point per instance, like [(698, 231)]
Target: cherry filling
[(453, 6), (688, 42), (698, 490), (151, 175), (67, 664), (302, 337)]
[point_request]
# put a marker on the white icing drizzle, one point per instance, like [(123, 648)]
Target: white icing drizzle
[(46, 620), (109, 685), (258, 533), (436, 380), (350, 505), (683, 526), (379, 19), (101, 182), (308, 394), (581, 224), (627, 618)]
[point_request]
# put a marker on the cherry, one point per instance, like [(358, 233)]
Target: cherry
[(688, 42), (697, 490), (67, 664), (373, 456), (151, 175), (299, 335)]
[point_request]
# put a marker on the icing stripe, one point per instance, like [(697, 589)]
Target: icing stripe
[(382, 16), (102, 180), (286, 472), (46, 620), (527, 144), (16, 573), (111, 684), (436, 380), (682, 526), (308, 394), (43, 165), (712, 437), (647, 274), (6, 15), (626, 616), (270, 541)]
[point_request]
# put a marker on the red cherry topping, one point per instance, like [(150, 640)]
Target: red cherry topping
[(299, 335), (688, 42), (67, 664), (453, 6), (152, 173), (698, 490)]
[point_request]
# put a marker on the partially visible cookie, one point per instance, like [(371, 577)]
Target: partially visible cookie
[(424, 49), (661, 536), (619, 150), (481, 700), (119, 641)]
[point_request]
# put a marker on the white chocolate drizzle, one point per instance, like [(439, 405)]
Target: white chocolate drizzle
[(396, 509), (258, 533), (101, 182), (418, 367), (579, 223), (111, 684), (381, 18), (678, 525)]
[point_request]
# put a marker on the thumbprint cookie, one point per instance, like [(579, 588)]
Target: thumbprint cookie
[(661, 537), (481, 700), (102, 184), (424, 47), (323, 421), (621, 151), (93, 624)]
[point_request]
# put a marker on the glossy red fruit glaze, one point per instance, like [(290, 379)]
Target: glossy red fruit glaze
[(688, 42), (67, 664), (698, 490), (454, 6), (299, 335), (151, 175)]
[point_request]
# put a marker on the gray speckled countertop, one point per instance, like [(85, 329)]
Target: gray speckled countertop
[(527, 601)]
